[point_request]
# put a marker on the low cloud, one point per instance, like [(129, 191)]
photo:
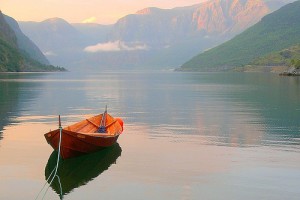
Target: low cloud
[(116, 46), (49, 53), (90, 20)]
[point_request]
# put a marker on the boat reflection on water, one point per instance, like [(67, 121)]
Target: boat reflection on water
[(78, 171)]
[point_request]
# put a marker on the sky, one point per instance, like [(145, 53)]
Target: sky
[(78, 11)]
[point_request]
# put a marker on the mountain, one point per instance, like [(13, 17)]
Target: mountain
[(155, 26), (9, 55), (60, 41), (52, 35), (150, 38), (12, 57), (274, 32), (168, 37), (212, 19), (6, 33), (24, 43)]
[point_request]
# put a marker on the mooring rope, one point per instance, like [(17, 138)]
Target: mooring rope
[(61, 194), (55, 169)]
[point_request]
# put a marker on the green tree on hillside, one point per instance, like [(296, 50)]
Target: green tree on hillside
[(295, 63)]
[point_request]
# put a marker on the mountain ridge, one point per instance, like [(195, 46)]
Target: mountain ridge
[(24, 43), (7, 33), (211, 17), (267, 36), (14, 58), (151, 37)]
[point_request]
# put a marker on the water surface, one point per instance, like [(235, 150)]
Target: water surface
[(187, 135)]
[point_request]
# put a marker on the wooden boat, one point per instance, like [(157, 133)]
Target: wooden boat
[(86, 136)]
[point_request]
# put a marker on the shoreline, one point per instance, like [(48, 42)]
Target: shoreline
[(262, 69)]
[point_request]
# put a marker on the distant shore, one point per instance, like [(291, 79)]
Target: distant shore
[(281, 70), (248, 68), (269, 69)]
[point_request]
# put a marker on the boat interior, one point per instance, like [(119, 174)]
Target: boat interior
[(91, 126)]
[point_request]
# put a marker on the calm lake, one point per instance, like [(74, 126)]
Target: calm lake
[(209, 136)]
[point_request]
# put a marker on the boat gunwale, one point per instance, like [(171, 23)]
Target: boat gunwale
[(73, 133)]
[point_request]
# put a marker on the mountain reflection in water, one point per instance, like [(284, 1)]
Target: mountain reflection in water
[(78, 171), (17, 90)]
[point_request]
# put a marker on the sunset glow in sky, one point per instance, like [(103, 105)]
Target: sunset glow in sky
[(75, 11)]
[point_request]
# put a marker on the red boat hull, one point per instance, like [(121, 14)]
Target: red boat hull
[(76, 143)]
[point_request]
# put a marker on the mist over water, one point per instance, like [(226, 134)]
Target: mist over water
[(186, 135)]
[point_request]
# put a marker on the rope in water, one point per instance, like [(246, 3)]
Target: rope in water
[(55, 168)]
